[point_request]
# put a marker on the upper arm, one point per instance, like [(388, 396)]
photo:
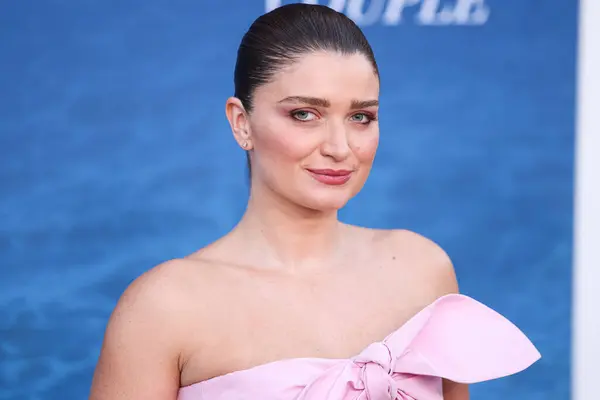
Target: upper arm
[(455, 391), (139, 359)]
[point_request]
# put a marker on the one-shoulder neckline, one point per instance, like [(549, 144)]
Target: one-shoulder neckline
[(320, 359)]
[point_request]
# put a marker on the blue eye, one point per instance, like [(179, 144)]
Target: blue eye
[(361, 118), (303, 115)]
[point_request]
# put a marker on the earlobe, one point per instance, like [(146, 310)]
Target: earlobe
[(238, 120)]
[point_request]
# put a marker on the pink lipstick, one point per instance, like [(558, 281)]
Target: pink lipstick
[(334, 177)]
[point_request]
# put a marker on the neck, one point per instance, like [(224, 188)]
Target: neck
[(283, 234)]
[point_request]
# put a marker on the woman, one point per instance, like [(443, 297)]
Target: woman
[(292, 303)]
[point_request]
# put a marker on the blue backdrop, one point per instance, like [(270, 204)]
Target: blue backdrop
[(115, 155)]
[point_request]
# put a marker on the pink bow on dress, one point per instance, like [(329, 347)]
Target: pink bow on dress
[(455, 338)]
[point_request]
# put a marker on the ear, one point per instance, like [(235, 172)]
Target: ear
[(238, 120)]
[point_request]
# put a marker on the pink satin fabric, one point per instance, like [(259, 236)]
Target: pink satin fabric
[(455, 338)]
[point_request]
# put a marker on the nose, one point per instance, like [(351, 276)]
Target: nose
[(335, 144)]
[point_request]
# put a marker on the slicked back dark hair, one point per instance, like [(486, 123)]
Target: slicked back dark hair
[(281, 36)]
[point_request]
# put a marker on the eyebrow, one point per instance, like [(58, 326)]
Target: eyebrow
[(317, 102), (363, 104)]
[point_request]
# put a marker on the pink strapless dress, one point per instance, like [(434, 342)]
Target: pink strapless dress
[(455, 338)]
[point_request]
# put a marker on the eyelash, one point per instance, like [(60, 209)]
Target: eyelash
[(370, 117)]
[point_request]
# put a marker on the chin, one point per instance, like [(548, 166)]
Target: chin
[(327, 202)]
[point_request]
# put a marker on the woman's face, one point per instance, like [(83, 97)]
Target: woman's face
[(314, 130)]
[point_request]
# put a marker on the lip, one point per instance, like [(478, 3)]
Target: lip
[(334, 177)]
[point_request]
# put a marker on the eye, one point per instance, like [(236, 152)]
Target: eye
[(303, 115), (362, 118)]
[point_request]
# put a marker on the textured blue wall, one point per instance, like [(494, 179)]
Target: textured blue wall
[(115, 155)]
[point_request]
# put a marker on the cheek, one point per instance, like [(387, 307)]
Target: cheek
[(366, 147), (281, 142)]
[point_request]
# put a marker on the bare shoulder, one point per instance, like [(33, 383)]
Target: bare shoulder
[(415, 257), (417, 243), (160, 300), (431, 262), (140, 355), (158, 292)]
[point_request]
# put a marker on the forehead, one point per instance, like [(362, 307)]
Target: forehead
[(336, 77)]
